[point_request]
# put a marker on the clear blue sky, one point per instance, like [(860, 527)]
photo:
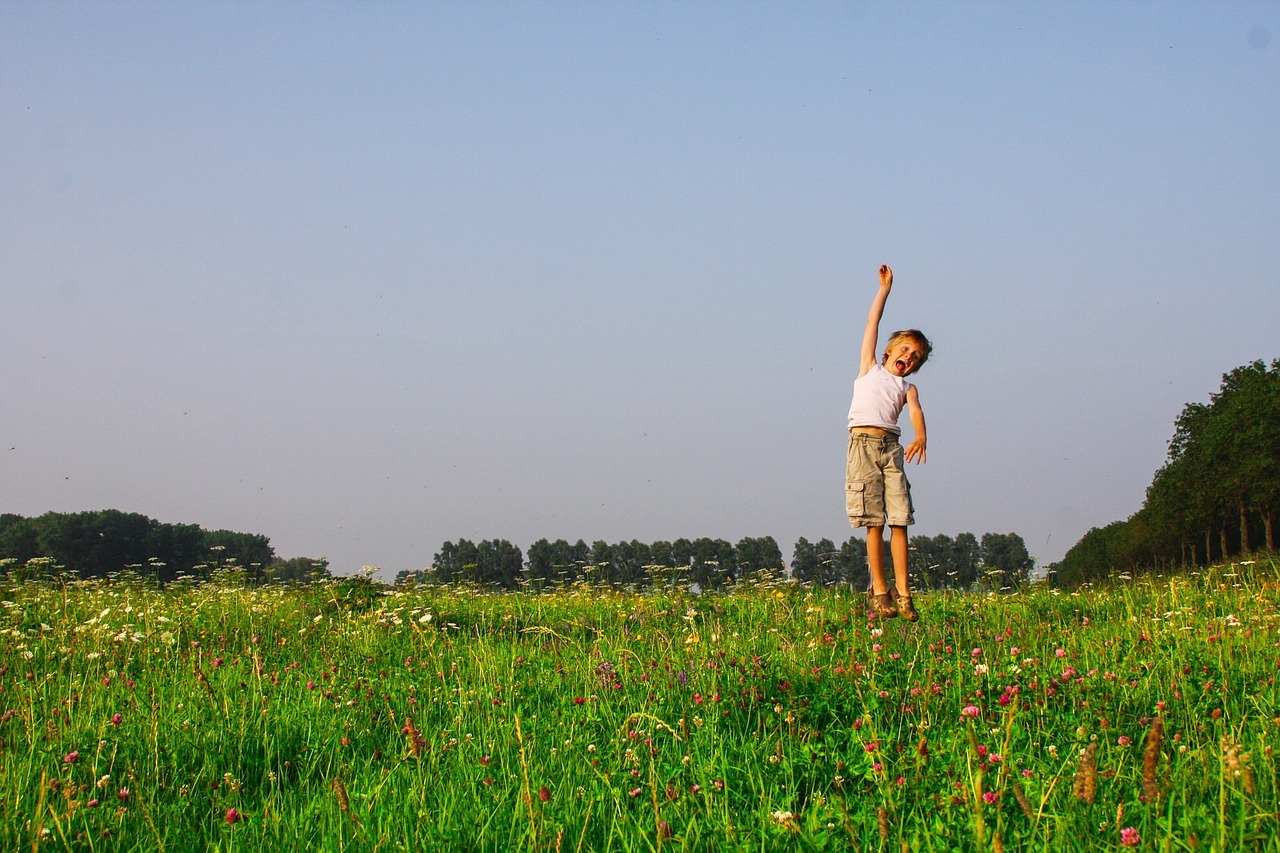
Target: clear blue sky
[(364, 277)]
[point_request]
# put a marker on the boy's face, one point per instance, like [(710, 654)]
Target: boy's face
[(902, 358)]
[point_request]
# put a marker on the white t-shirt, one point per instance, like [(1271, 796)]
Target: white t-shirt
[(878, 398)]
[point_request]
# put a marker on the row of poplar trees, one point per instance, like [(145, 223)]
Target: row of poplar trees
[(1215, 497), (997, 561)]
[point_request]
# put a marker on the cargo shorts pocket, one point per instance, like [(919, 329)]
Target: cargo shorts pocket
[(855, 499)]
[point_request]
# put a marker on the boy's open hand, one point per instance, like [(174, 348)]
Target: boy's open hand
[(915, 451), (886, 276)]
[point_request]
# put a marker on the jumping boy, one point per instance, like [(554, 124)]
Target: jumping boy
[(876, 488)]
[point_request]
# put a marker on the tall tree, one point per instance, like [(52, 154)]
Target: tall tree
[(713, 564), (966, 559), (297, 570), (804, 562), (636, 559), (250, 551), (19, 538), (1247, 422), (931, 559), (830, 567), (853, 563), (759, 556), (1006, 559), (540, 566)]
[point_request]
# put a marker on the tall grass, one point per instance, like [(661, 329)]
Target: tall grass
[(772, 717)]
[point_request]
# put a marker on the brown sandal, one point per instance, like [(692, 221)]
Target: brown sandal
[(881, 605), (906, 608)]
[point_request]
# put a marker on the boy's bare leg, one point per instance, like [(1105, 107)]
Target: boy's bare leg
[(898, 545), (875, 559)]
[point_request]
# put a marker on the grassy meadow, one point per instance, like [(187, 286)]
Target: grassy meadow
[(348, 716)]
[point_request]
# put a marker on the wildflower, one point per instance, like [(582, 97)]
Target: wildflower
[(544, 793), (71, 757), (1123, 740), (116, 719), (970, 711), (989, 797), (786, 819), (1129, 837), (233, 816), (123, 795)]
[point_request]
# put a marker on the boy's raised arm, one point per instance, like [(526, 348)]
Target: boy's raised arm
[(871, 335)]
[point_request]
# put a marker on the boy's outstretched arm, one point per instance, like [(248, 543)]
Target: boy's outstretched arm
[(915, 450), (870, 337)]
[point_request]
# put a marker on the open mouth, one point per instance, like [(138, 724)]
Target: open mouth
[(902, 367)]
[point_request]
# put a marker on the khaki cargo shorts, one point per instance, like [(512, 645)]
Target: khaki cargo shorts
[(876, 491)]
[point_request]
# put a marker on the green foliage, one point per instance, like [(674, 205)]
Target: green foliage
[(491, 563), (1005, 560), (1216, 495), (297, 570), (940, 562), (345, 715), (96, 544)]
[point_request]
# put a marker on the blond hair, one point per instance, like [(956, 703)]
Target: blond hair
[(916, 337)]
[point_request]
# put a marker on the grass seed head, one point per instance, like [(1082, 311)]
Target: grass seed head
[(1023, 803), (1085, 786), (1151, 760), (1238, 765)]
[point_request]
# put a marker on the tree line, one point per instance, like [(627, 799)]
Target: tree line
[(100, 543), (1215, 496), (996, 561)]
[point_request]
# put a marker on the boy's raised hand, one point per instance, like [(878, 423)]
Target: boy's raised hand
[(886, 276)]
